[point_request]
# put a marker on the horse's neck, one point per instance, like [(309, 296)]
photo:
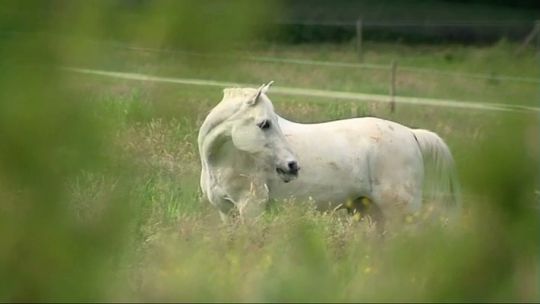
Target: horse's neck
[(221, 157), (287, 124), (227, 156), (232, 174), (283, 121)]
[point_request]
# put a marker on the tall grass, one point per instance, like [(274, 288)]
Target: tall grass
[(182, 252)]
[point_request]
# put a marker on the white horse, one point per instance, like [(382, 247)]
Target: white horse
[(250, 155)]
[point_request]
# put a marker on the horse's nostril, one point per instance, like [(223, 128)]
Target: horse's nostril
[(293, 166)]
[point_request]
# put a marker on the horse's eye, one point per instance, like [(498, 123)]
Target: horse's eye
[(265, 124)]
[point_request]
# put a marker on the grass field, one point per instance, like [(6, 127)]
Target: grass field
[(129, 225), (175, 248)]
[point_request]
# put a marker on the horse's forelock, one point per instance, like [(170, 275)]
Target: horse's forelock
[(238, 93)]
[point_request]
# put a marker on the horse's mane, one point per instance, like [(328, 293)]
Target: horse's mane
[(232, 101), (233, 93)]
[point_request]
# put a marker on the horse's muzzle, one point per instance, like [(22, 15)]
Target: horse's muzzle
[(290, 173)]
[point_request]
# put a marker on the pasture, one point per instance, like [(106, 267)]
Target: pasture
[(168, 246), (99, 171)]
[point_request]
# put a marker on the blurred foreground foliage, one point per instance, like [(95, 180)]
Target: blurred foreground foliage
[(99, 201), (50, 134)]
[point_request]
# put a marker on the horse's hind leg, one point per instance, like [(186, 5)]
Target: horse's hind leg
[(398, 200)]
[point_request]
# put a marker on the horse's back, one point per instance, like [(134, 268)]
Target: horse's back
[(359, 125), (354, 134)]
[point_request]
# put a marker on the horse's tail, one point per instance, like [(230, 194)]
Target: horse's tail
[(441, 183)]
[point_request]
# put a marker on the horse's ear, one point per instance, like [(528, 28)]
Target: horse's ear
[(267, 86), (261, 90)]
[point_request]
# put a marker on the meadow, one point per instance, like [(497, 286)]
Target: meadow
[(168, 246), (99, 177)]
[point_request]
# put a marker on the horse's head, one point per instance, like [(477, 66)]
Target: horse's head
[(255, 130)]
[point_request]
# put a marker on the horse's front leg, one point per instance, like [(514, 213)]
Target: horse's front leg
[(253, 203), (226, 208)]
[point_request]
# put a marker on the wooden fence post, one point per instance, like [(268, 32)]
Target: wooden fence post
[(359, 37), (537, 27), (393, 69), (534, 34)]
